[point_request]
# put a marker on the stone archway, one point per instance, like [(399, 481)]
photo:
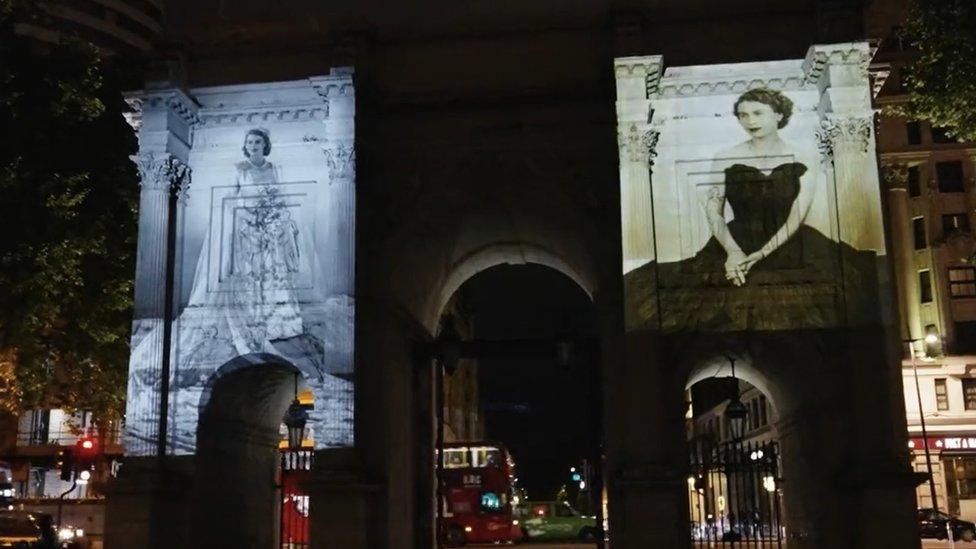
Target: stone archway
[(234, 501), (492, 255)]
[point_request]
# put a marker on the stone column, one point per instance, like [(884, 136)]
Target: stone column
[(902, 244), (160, 175)]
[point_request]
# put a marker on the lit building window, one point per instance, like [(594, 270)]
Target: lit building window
[(962, 281), (969, 393), (941, 395)]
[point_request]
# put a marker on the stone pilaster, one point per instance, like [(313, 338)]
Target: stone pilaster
[(637, 80), (846, 138)]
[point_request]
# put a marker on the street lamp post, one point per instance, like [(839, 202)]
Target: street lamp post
[(295, 419), (736, 412), (931, 339)]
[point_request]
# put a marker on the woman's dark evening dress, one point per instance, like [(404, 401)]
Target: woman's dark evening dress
[(761, 205), (695, 291)]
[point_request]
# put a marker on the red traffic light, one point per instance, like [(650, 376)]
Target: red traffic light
[(86, 446)]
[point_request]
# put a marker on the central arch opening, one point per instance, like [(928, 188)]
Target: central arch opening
[(520, 412), (237, 502)]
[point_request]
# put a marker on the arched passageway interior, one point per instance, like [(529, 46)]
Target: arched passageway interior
[(735, 481), (516, 391), (235, 497)]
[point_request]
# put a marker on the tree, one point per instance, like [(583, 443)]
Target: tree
[(941, 80), (68, 197)]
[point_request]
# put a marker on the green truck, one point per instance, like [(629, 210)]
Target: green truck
[(554, 520)]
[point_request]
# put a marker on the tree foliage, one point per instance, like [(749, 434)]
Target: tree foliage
[(941, 80), (68, 211)]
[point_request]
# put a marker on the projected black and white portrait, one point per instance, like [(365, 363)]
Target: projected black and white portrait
[(745, 202), (756, 207), (264, 271)]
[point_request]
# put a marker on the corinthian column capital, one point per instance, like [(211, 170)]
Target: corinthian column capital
[(637, 144), (852, 133), (341, 159), (162, 172), (895, 175)]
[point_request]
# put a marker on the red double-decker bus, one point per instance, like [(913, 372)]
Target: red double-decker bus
[(476, 489)]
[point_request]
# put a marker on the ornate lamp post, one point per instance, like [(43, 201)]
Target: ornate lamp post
[(736, 412), (295, 419)]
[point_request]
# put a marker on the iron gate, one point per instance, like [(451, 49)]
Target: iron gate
[(734, 495), (296, 465)]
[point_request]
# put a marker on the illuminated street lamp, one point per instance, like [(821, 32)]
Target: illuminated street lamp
[(295, 419), (736, 412), (930, 339)]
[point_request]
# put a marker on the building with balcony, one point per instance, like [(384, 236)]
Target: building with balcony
[(42, 437)]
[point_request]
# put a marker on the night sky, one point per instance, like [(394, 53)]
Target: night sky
[(543, 412)]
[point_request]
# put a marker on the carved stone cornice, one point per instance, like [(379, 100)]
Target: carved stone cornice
[(162, 172), (173, 99), (341, 159), (820, 56), (338, 84), (681, 88), (837, 132), (648, 67), (244, 117), (638, 144)]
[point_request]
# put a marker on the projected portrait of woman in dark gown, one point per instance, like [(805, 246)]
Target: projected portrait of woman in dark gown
[(756, 204)]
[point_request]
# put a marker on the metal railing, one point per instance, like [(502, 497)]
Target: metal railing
[(734, 495)]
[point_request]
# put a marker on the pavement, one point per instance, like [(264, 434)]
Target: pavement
[(926, 544), (562, 545)]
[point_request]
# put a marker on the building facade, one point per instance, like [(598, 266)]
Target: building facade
[(931, 194)]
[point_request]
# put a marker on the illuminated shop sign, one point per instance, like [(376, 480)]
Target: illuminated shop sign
[(944, 443)]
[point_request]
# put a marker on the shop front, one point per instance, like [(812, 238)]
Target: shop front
[(954, 471)]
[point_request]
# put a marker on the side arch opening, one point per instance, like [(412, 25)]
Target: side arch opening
[(236, 501)]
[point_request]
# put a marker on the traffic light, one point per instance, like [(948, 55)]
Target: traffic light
[(86, 449), (85, 452), (67, 464)]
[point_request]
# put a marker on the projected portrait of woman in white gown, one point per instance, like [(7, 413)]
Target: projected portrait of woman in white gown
[(259, 261)]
